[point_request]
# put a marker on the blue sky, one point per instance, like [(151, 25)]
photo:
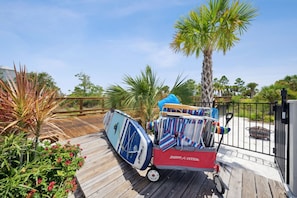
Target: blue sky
[(108, 39)]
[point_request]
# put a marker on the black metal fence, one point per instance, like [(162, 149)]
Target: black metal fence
[(252, 127)]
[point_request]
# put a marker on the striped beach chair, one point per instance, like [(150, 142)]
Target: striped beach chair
[(191, 136), (167, 133)]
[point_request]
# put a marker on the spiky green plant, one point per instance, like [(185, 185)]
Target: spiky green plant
[(26, 105)]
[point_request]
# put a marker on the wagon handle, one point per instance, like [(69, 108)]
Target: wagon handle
[(229, 117)]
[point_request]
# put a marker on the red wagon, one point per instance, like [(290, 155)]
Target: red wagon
[(184, 140)]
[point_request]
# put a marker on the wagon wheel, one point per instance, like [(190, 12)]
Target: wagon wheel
[(153, 175), (219, 184)]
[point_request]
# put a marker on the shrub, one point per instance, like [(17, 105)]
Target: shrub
[(26, 105), (28, 168), (48, 171)]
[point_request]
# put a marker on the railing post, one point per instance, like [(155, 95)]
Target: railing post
[(81, 106), (102, 103)]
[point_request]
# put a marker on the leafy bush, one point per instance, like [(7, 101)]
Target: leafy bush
[(28, 168), (236, 98), (48, 171), (269, 118)]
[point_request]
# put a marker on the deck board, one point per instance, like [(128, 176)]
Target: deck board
[(277, 190), (262, 183), (171, 182), (235, 184), (179, 189), (105, 174), (249, 189), (194, 185)]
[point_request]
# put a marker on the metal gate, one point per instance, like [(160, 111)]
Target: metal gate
[(281, 136), (252, 128)]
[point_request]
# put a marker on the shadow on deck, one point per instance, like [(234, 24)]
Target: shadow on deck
[(106, 175)]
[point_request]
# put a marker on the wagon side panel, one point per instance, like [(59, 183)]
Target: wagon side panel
[(174, 158)]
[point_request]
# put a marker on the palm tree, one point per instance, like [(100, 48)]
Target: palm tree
[(116, 95), (184, 89), (143, 93), (209, 28), (270, 93), (251, 89)]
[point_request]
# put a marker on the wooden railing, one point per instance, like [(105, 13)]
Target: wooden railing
[(78, 106)]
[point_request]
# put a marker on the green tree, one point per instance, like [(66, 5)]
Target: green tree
[(197, 91), (86, 88), (44, 79), (251, 89), (270, 93), (185, 90), (225, 87), (238, 87), (217, 87), (290, 84), (215, 27)]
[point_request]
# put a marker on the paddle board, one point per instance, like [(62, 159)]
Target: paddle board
[(128, 138)]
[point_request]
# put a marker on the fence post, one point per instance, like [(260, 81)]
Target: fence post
[(284, 106), (292, 146)]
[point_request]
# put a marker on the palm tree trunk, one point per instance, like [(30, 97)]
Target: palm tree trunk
[(207, 80)]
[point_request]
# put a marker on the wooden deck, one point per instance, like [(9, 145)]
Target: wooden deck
[(105, 174)]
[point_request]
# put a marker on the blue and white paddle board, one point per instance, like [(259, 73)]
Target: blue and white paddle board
[(128, 138)]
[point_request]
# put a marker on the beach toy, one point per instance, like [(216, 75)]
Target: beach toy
[(215, 113), (222, 130), (171, 98)]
